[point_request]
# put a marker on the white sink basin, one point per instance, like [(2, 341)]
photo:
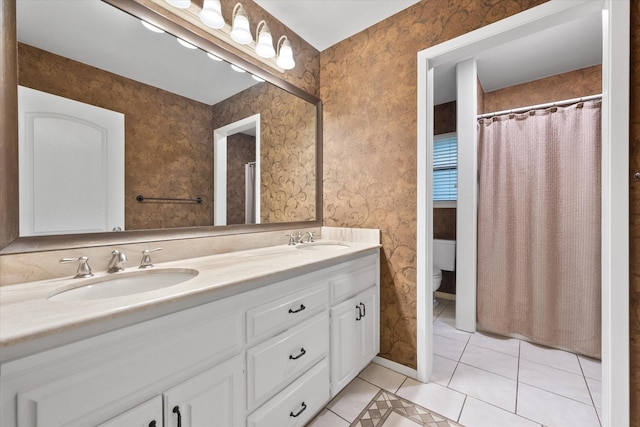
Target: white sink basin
[(121, 284), (322, 246)]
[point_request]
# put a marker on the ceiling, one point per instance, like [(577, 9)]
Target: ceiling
[(567, 47), (323, 23)]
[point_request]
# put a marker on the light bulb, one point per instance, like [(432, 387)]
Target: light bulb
[(211, 14), (151, 27), (241, 32), (186, 44), (285, 54), (264, 47)]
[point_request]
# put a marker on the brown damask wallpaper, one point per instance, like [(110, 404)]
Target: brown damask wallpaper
[(169, 138), (241, 149), (574, 84), (287, 149), (368, 88)]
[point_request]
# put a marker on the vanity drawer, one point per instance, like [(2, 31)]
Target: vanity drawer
[(349, 283), (281, 359), (283, 313), (297, 404)]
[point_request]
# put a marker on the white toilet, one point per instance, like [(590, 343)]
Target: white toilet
[(444, 258)]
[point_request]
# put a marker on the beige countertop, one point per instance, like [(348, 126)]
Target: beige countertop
[(30, 322)]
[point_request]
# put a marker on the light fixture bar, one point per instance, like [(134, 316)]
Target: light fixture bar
[(223, 34)]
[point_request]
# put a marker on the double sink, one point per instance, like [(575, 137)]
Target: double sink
[(123, 284)]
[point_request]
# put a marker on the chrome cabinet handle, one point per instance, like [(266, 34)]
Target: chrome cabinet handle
[(152, 423), (302, 307), (176, 410), (359, 315), (364, 309), (302, 353), (304, 406)]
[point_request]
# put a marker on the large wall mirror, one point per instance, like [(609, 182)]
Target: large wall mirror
[(173, 101)]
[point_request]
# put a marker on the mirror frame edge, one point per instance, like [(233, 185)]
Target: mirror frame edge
[(11, 243)]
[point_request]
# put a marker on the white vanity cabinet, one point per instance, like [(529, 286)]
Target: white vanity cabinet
[(213, 398), (147, 414), (355, 314), (263, 357)]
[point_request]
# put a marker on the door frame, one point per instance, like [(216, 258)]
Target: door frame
[(220, 166), (615, 181)]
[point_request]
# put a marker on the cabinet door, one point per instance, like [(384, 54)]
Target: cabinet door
[(147, 414), (369, 334), (213, 398), (344, 343)]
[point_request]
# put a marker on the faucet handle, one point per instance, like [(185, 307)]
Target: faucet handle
[(145, 262), (311, 237), (84, 270), (292, 239)]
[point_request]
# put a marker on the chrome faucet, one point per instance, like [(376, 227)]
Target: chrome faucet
[(84, 270), (145, 262), (296, 239), (117, 261)]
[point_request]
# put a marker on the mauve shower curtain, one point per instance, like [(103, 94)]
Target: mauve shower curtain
[(539, 226)]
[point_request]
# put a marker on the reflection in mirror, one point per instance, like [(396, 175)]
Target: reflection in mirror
[(172, 98)]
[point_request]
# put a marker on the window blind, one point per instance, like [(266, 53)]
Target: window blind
[(445, 167)]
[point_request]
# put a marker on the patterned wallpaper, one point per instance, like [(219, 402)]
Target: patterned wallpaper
[(241, 149), (574, 84), (287, 149), (169, 138), (368, 87)]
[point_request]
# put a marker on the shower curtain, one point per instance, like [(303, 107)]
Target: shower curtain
[(250, 193), (539, 226)]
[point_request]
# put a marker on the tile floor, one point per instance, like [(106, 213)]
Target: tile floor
[(481, 380)]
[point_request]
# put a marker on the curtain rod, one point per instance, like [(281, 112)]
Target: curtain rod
[(540, 106)]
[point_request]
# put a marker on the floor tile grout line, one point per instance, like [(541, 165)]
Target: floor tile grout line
[(518, 376), (560, 395), (339, 416)]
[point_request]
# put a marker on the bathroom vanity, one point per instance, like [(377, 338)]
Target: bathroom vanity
[(260, 338)]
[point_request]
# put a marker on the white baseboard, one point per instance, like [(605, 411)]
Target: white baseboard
[(394, 366)]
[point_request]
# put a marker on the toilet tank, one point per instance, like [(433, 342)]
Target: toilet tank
[(444, 254)]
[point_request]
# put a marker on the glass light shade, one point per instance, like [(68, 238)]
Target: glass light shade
[(186, 44), (264, 47), (151, 27), (211, 14), (241, 32), (236, 68), (256, 78), (285, 54), (215, 58), (182, 4)]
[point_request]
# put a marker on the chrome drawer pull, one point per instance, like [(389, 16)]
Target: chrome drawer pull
[(304, 406), (302, 307), (364, 309), (302, 353), (359, 315)]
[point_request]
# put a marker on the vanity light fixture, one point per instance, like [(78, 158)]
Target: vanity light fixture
[(185, 44), (238, 69), (240, 32), (182, 4), (151, 27), (211, 14), (215, 58), (256, 78), (264, 46), (285, 54), (210, 19)]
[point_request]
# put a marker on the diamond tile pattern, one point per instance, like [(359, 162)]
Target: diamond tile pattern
[(385, 403)]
